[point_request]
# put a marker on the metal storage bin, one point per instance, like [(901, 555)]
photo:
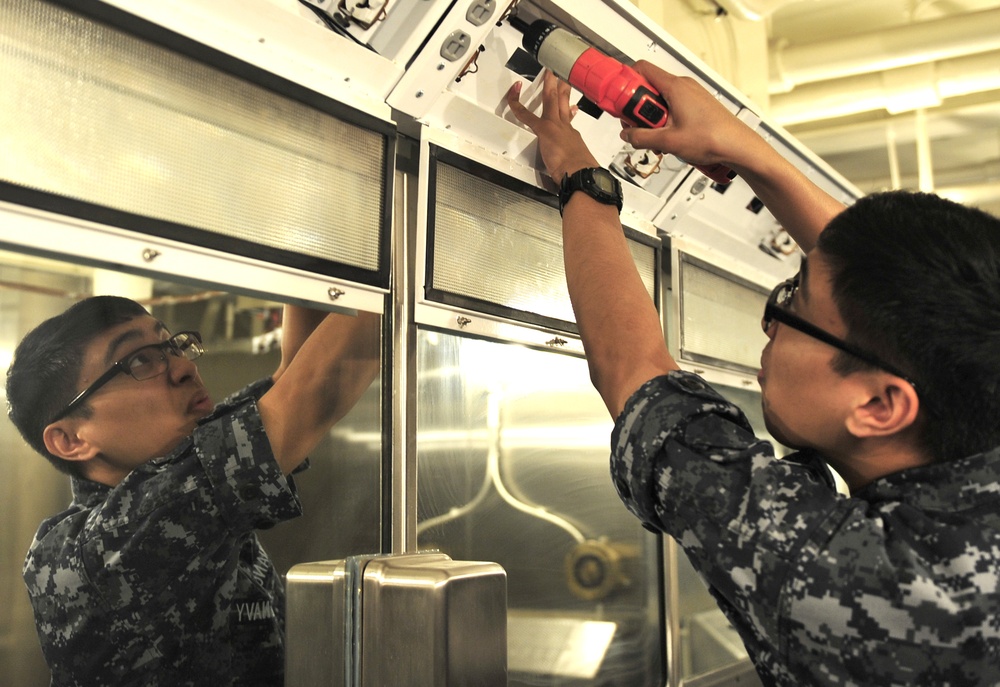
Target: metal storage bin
[(420, 620)]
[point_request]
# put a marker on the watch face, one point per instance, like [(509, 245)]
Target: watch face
[(604, 181), (596, 182)]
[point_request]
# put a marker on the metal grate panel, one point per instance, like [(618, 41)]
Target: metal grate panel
[(91, 113), (494, 244), (720, 317)]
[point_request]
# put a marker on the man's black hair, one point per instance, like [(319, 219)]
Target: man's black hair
[(917, 281), (43, 376)]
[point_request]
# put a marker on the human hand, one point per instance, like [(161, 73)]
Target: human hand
[(700, 129), (562, 147)]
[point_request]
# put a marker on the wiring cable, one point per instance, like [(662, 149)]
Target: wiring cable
[(334, 25)]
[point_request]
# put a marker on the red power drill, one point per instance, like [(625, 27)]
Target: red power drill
[(614, 87)]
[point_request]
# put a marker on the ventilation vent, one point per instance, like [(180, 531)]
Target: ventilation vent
[(101, 124), (496, 246), (720, 317)]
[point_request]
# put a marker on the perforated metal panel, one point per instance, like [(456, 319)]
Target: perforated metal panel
[(496, 245), (720, 317), (91, 113)]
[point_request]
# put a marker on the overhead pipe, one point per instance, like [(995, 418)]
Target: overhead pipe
[(985, 193), (893, 153), (835, 138), (896, 90), (925, 166), (952, 184), (882, 49)]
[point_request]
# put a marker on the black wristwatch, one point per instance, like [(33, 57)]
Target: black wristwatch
[(596, 182)]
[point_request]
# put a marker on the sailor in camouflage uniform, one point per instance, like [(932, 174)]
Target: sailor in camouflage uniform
[(883, 362), (154, 574)]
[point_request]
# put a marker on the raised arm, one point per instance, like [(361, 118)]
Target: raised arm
[(700, 130), (328, 360), (297, 323), (620, 328)]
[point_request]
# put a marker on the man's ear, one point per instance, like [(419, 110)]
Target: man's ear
[(63, 441), (890, 406)]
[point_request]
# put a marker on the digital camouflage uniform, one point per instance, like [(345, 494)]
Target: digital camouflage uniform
[(161, 580), (897, 585)]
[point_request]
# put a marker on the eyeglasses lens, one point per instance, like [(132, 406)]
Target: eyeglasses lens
[(150, 361), (780, 297), (146, 363), (783, 296), (186, 345)]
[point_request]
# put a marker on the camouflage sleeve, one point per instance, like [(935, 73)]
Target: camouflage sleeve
[(686, 462), (248, 485), (252, 391)]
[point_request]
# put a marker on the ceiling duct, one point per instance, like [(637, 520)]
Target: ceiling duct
[(894, 90), (891, 48)]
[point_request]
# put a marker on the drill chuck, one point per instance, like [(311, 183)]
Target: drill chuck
[(554, 48)]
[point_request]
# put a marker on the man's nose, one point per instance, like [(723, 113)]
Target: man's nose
[(180, 368)]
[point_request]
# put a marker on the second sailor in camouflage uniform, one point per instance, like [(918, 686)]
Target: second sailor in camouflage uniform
[(154, 574)]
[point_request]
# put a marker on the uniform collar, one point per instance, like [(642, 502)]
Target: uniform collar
[(948, 486), (87, 493)]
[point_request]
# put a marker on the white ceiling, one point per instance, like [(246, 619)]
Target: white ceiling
[(830, 71)]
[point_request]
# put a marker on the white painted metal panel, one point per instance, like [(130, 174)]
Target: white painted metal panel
[(65, 238)]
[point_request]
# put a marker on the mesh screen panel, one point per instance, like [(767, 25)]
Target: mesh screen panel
[(496, 245), (645, 261), (92, 113), (720, 317)]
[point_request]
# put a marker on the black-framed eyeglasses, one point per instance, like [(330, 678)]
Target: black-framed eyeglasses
[(142, 364), (776, 310)]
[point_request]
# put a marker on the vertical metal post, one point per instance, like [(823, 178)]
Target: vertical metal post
[(401, 494), (669, 306), (672, 620)]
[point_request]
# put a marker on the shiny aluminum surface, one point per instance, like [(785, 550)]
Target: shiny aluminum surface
[(316, 642), (419, 620)]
